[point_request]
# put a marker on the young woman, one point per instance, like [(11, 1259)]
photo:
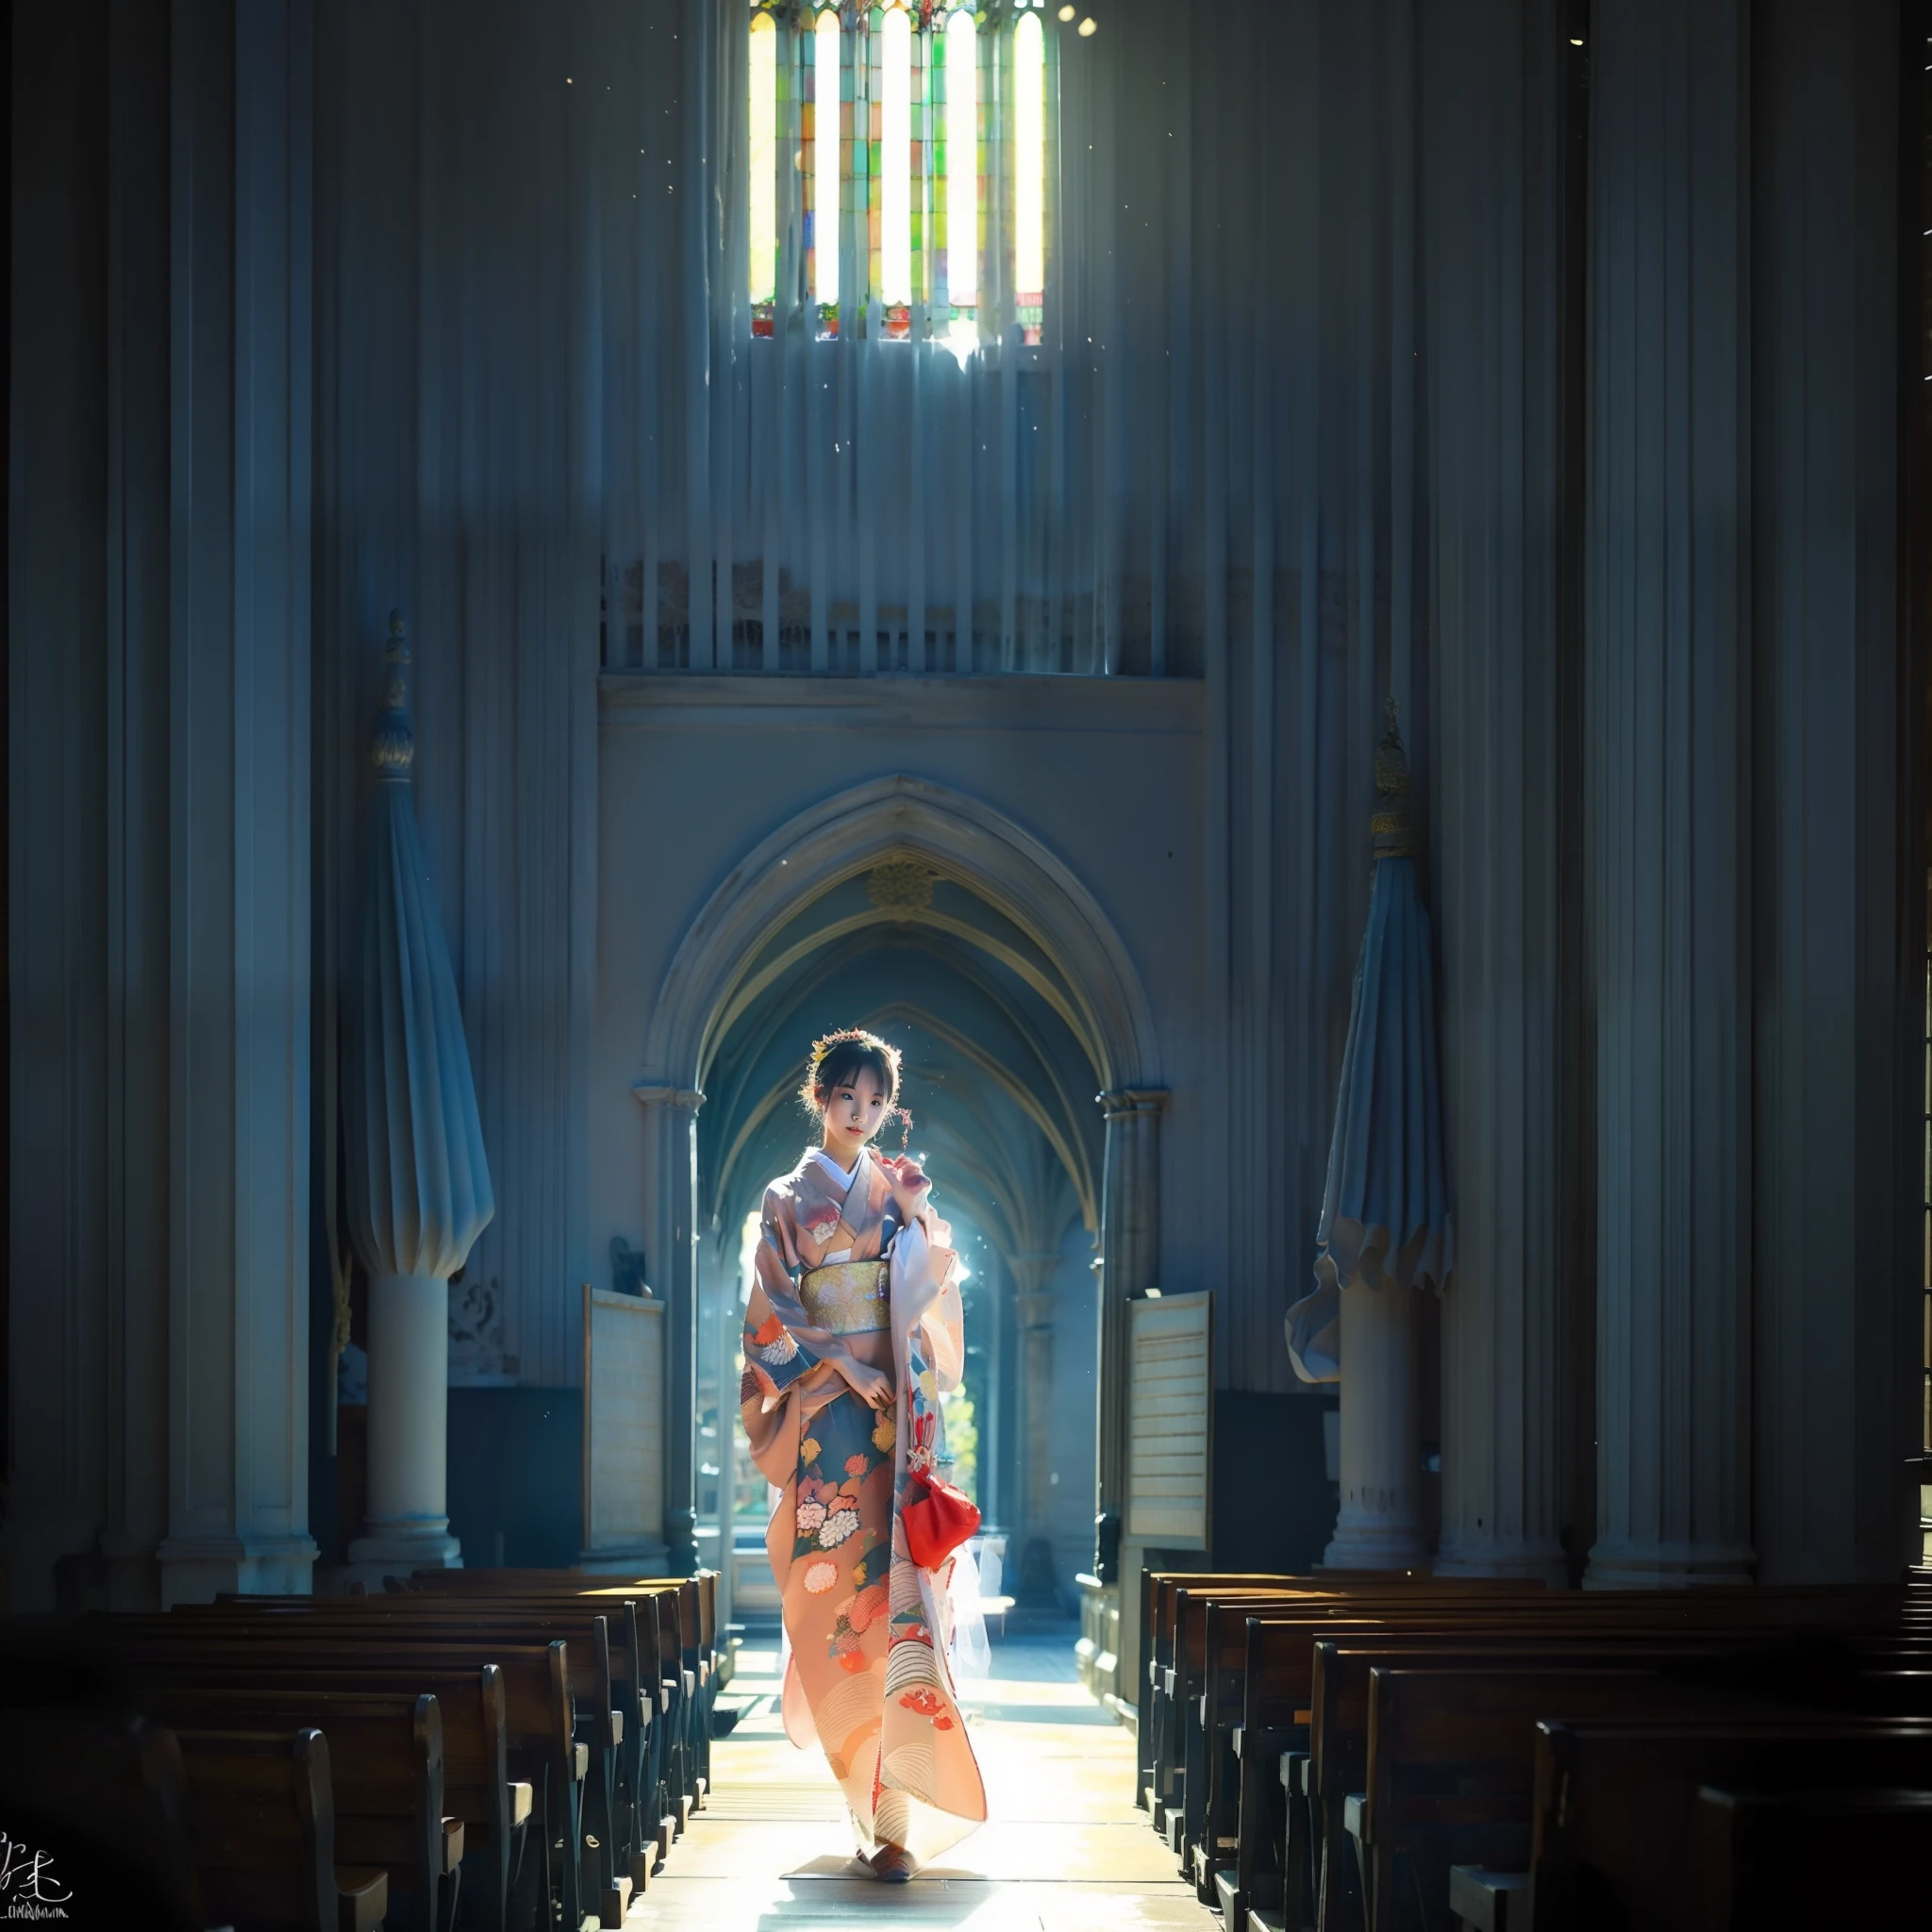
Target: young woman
[(851, 1333)]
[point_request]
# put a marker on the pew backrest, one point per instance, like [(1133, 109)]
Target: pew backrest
[(261, 1826), (1612, 1825)]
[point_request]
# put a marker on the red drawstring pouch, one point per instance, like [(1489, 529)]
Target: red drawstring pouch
[(938, 1518), (937, 1521)]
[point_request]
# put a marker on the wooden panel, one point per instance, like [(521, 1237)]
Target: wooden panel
[(623, 1421), (1170, 1418)]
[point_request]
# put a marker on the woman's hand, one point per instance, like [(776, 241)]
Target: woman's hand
[(873, 1387), (912, 1189)]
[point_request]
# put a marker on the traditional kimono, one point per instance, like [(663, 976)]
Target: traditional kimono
[(867, 1676)]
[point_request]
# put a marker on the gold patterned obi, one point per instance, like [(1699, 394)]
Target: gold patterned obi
[(848, 1297)]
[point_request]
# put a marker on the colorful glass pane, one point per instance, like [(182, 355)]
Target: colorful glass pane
[(962, 161), (764, 148), (1029, 161), (828, 119), (895, 158)]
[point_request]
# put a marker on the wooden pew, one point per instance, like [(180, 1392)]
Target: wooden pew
[(1257, 1814), (1209, 1648), (656, 1782), (1343, 1713), (1274, 1841), (526, 1691), (1162, 1594), (677, 1609), (1812, 1857), (1180, 1760), (1306, 1820), (1205, 1679), (683, 1612), (262, 1823), (1178, 1744), (598, 1710), (1452, 1766), (1157, 1588), (1616, 1831), (386, 1764), (1184, 1604), (697, 1615), (1623, 1624), (495, 1812), (627, 1688)]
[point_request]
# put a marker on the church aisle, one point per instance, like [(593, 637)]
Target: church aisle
[(1064, 1850)]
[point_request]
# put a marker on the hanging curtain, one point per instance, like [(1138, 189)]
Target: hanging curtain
[(1386, 1220)]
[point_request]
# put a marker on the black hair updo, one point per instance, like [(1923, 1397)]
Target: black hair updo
[(840, 1058)]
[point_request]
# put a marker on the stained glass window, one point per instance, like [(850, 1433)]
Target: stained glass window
[(1029, 173), (893, 166), (880, 126), (829, 116), (960, 164), (764, 176)]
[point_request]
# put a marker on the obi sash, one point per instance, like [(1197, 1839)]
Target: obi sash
[(848, 1297)]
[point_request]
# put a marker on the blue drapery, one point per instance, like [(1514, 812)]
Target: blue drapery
[(1386, 1220), (418, 1182)]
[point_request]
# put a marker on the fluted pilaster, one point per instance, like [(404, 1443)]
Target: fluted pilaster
[(241, 184), (1670, 848), (1035, 1305), (1492, 224), (670, 1260), (1129, 1265), (1840, 998)]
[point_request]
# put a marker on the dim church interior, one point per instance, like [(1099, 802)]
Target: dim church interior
[(915, 516)]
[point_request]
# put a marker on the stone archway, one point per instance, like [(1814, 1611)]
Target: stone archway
[(958, 836), (1093, 985)]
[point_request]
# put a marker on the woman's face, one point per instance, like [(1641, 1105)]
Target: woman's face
[(854, 1109)]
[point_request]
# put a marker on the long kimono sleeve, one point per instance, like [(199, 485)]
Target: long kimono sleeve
[(782, 1345), (774, 1357)]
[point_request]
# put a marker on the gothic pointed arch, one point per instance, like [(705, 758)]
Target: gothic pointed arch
[(1093, 981)]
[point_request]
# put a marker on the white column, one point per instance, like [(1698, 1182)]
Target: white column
[(1129, 1265), (1666, 718), (1380, 1526), (1839, 985), (1492, 228), (670, 1223), (405, 1520), (239, 1259)]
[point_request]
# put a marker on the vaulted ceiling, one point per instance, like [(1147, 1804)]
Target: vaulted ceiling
[(998, 1081)]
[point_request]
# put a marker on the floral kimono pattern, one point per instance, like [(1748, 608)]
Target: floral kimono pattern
[(867, 1676)]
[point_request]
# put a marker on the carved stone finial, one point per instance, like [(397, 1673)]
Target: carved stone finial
[(1392, 825), (392, 750)]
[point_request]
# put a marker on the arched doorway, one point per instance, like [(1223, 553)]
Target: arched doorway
[(926, 914)]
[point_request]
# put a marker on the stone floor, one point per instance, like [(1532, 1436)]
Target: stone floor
[(1064, 1850)]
